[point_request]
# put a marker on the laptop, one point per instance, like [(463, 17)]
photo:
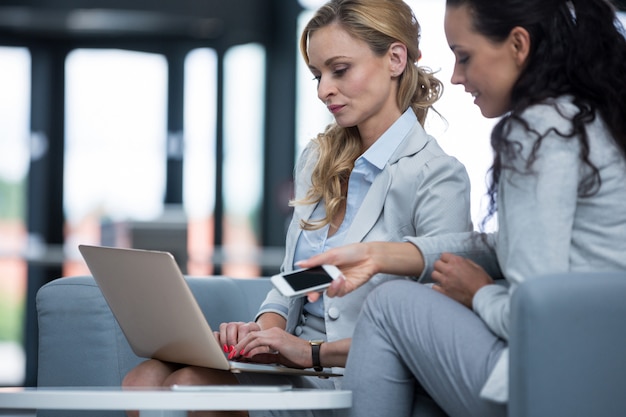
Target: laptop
[(157, 312)]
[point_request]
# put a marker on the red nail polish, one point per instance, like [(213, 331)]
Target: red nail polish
[(225, 348), (243, 352)]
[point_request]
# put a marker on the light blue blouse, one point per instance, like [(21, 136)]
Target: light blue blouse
[(366, 168)]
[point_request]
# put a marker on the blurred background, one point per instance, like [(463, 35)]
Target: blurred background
[(170, 125)]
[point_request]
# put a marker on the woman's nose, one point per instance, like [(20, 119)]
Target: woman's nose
[(325, 89), (457, 76)]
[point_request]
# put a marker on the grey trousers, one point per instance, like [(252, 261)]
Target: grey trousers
[(411, 339)]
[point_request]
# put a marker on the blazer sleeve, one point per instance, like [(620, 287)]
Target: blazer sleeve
[(536, 212), (443, 196)]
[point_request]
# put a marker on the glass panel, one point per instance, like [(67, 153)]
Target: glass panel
[(311, 114), (470, 146), (115, 161), (199, 163), (14, 162), (244, 101)]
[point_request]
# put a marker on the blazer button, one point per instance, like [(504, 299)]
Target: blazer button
[(333, 313), (298, 330)]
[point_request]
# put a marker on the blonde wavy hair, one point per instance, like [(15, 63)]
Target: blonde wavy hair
[(379, 23)]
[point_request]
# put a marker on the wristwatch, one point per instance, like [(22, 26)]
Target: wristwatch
[(315, 354)]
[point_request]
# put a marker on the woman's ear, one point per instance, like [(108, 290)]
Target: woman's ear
[(397, 58), (520, 42)]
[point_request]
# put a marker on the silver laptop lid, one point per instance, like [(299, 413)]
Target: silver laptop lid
[(154, 306)]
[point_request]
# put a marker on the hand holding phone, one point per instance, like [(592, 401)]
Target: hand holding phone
[(303, 281)]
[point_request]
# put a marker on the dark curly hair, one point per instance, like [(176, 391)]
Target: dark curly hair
[(578, 48)]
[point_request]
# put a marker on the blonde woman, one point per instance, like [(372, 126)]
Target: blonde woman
[(374, 174)]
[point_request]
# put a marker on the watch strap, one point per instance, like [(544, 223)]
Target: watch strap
[(315, 355)]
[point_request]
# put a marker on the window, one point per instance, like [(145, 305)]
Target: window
[(199, 160), (115, 140), (465, 133), (14, 161), (244, 101)]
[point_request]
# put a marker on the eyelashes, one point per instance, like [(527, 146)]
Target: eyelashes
[(336, 74)]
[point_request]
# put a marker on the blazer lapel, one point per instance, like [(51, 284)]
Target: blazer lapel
[(301, 212), (374, 201), (372, 205)]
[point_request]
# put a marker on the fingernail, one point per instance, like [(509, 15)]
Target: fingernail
[(231, 355), (243, 352), (225, 347)]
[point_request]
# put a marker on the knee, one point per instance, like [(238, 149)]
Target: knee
[(133, 378), (150, 373), (391, 291), (393, 296), (194, 375), (184, 376)]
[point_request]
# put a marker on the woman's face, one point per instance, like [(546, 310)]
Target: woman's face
[(356, 86), (486, 69)]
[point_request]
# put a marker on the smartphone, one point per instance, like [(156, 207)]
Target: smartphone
[(304, 281)]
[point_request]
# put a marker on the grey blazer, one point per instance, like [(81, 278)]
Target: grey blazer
[(422, 191)]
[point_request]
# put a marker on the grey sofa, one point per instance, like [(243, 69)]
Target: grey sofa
[(568, 339), (568, 346)]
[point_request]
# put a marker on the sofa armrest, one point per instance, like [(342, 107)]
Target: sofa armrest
[(568, 346)]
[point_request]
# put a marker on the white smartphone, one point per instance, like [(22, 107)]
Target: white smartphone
[(304, 281)]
